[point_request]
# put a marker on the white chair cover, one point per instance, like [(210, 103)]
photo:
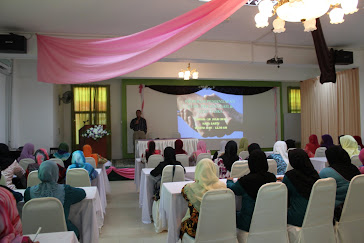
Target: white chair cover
[(203, 156), (183, 158), (78, 177), (320, 152), (243, 155), (33, 179), (46, 212), (217, 219), (269, 221), (239, 169), (154, 160), (289, 167), (350, 227), (58, 161), (167, 176), (290, 149), (356, 161), (317, 224), (2, 180), (25, 162), (272, 166), (91, 161)]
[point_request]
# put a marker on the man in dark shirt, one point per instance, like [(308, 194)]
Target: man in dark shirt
[(139, 125)]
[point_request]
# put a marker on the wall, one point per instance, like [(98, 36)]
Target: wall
[(3, 108)]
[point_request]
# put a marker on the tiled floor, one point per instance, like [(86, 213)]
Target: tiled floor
[(123, 217)]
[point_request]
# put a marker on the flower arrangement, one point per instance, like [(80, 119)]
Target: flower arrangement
[(96, 132)]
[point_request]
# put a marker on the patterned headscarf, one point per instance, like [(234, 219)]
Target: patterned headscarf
[(41, 155), (27, 152), (280, 147), (63, 152)]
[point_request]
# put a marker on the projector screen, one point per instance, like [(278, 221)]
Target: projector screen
[(208, 115)]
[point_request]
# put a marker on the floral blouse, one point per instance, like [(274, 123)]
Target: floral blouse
[(223, 172), (189, 226)]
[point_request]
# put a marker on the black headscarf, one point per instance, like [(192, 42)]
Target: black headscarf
[(253, 147), (290, 143), (169, 156), (340, 161), (258, 175), (5, 159), (151, 149), (303, 175), (230, 155)]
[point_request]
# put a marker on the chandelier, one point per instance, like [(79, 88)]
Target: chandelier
[(305, 11), (188, 74)]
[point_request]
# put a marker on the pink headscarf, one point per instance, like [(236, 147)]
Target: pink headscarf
[(201, 148), (361, 158), (41, 155)]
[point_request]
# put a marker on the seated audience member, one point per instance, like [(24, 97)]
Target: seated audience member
[(221, 151), (205, 180), (251, 148), (280, 156), (311, 147), (248, 187), (201, 149), (327, 141), (27, 152), (17, 195), (87, 152), (349, 144), (290, 143), (151, 150), (342, 170), (178, 144), (361, 158), (243, 145), (11, 167), (79, 161), (48, 174), (359, 141), (226, 160), (299, 182), (63, 154)]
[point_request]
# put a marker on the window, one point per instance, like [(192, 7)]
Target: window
[(91, 106), (294, 100)]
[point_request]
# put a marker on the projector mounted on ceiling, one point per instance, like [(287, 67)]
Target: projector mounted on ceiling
[(275, 60)]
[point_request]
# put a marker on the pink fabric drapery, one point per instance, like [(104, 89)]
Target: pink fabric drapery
[(125, 172), (72, 61)]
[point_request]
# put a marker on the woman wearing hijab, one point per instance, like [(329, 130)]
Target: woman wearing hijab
[(48, 174), (349, 144), (311, 147), (280, 156), (221, 151), (87, 152), (79, 161), (205, 180), (27, 152), (201, 149), (10, 167), (251, 148), (151, 150), (243, 145), (169, 159), (358, 140), (63, 154), (178, 144), (361, 158), (248, 187), (226, 160), (290, 143), (327, 141), (299, 182)]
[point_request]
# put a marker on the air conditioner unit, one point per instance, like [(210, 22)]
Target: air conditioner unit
[(5, 67)]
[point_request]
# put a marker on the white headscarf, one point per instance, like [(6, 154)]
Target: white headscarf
[(350, 145), (205, 180), (280, 147)]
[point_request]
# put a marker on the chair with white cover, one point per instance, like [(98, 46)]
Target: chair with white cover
[(290, 149), (269, 221), (356, 161), (350, 226), (317, 223), (203, 156), (320, 152), (91, 161), (243, 154), (2, 180), (167, 176), (239, 169), (58, 161), (78, 177), (154, 160), (46, 212), (272, 166), (25, 162), (289, 167), (217, 218), (183, 158), (33, 179)]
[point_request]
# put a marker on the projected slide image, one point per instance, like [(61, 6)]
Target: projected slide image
[(208, 114)]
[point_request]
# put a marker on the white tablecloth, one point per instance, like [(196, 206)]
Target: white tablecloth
[(86, 215), (57, 237), (103, 186), (318, 163), (146, 192), (189, 145), (138, 170)]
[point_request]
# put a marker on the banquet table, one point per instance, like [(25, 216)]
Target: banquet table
[(56, 237), (86, 215), (189, 145), (146, 191), (103, 185), (318, 163)]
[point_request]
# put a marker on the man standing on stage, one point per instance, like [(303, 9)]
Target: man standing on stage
[(139, 125)]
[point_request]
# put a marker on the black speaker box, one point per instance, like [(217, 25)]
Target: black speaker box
[(13, 44), (343, 57)]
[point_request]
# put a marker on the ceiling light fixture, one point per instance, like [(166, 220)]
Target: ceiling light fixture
[(305, 11), (188, 74)]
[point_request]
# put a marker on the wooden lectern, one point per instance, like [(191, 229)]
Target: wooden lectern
[(99, 146)]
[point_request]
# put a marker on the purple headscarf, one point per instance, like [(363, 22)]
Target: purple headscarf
[(327, 141), (27, 152)]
